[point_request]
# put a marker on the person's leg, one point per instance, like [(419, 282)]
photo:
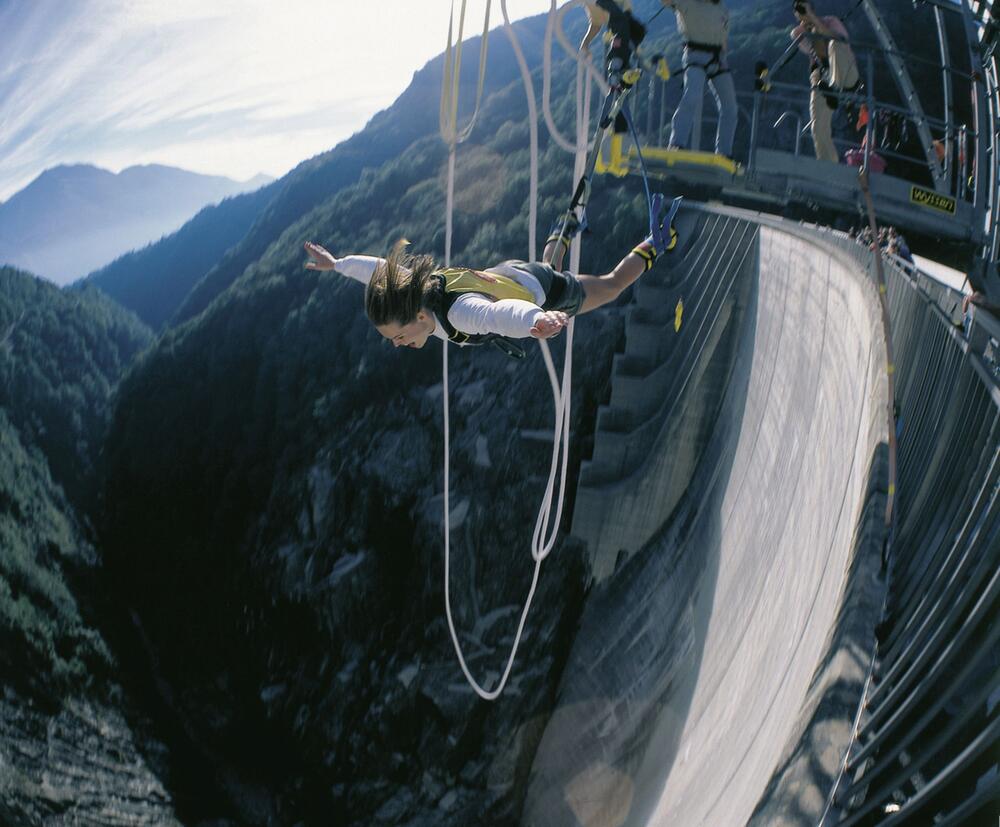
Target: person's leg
[(822, 126), (724, 93), (599, 290), (843, 66), (553, 253), (694, 87), (565, 229)]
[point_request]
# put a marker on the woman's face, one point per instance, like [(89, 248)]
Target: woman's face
[(414, 334)]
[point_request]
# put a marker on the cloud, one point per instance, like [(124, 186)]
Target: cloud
[(119, 82)]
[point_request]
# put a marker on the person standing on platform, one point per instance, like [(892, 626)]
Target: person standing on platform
[(832, 69), (704, 25)]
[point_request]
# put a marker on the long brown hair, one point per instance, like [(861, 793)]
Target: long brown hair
[(400, 287)]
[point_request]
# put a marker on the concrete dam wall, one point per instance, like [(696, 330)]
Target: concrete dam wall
[(735, 526)]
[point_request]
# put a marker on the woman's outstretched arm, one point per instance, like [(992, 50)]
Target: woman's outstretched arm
[(359, 268)]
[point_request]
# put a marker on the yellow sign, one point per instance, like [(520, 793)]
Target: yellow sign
[(926, 198)]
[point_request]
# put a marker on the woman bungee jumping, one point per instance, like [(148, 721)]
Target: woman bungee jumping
[(408, 298)]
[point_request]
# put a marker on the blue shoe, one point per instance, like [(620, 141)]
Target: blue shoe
[(662, 236)]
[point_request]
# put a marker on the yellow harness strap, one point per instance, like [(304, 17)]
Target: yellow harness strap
[(463, 280)]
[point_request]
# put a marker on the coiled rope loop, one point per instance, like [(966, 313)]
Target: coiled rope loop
[(550, 511)]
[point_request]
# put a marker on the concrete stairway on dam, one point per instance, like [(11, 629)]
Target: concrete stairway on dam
[(668, 383)]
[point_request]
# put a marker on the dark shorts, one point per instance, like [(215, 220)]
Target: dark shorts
[(562, 289)]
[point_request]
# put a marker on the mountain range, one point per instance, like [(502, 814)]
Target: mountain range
[(75, 218)]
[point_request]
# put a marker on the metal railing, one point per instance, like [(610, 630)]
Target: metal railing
[(654, 106), (954, 142), (926, 746)]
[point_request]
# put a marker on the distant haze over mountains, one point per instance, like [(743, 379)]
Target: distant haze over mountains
[(73, 219)]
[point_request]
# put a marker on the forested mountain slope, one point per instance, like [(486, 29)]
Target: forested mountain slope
[(72, 741)]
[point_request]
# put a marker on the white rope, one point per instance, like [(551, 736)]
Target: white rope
[(533, 132), (554, 23), (547, 523), (448, 115)]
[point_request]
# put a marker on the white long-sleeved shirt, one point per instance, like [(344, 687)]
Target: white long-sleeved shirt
[(473, 313)]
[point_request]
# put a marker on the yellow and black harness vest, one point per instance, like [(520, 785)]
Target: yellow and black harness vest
[(456, 281)]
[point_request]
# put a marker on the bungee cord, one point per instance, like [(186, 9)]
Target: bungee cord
[(550, 511)]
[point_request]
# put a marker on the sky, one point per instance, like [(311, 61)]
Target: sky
[(226, 87)]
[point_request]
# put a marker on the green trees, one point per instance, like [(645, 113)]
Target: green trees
[(61, 354), (46, 647)]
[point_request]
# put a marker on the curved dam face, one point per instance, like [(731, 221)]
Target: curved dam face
[(716, 670)]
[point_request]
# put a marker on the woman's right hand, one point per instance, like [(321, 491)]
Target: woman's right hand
[(321, 259), (548, 324)]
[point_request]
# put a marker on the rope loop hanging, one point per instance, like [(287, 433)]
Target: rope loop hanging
[(550, 512), (584, 64), (448, 116)]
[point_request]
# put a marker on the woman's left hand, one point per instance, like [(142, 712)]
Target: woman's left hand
[(321, 259), (548, 324)]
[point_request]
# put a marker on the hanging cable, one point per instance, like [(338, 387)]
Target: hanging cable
[(642, 161), (890, 366)]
